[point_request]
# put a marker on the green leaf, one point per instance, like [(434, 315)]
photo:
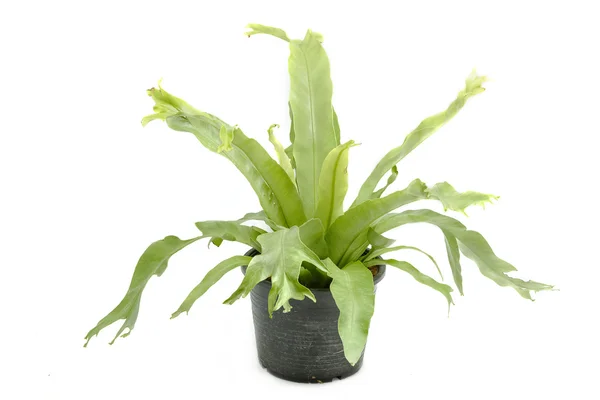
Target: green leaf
[(290, 149), (333, 184), (347, 237), (154, 261), (472, 245), (226, 135), (391, 179), (336, 127), (454, 259), (260, 216), (418, 275), (217, 241), (377, 240), (253, 216), (283, 158), (279, 33), (255, 29), (305, 278), (376, 252), (312, 234), (166, 105), (354, 294), (275, 190), (456, 201), (425, 129), (313, 277), (310, 99), (281, 259), (474, 250), (210, 279), (231, 230)]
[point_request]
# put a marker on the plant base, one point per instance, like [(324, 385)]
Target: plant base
[(302, 345)]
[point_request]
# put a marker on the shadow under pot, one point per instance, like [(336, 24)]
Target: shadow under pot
[(302, 345)]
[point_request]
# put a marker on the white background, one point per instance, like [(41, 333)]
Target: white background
[(84, 189)]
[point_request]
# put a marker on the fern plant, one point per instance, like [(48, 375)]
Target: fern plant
[(312, 241)]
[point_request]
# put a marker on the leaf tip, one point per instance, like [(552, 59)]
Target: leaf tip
[(249, 30), (271, 128), (474, 82), (316, 35), (353, 358), (351, 143), (233, 298)]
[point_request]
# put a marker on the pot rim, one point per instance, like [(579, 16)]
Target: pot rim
[(376, 278)]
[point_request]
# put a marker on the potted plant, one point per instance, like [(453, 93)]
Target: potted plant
[(313, 248)]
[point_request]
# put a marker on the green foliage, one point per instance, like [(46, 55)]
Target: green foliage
[(471, 244), (455, 201), (276, 192), (354, 294), (391, 179), (348, 236), (310, 100), (284, 159), (312, 241), (232, 231), (281, 259), (254, 29), (419, 277), (424, 130), (154, 261), (210, 279), (379, 251), (333, 184)]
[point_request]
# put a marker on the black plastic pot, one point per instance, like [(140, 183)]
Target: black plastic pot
[(302, 345)]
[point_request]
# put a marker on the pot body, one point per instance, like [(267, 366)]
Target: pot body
[(302, 345)]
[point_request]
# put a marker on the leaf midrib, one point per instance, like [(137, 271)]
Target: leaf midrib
[(333, 191), (312, 124), (353, 304)]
